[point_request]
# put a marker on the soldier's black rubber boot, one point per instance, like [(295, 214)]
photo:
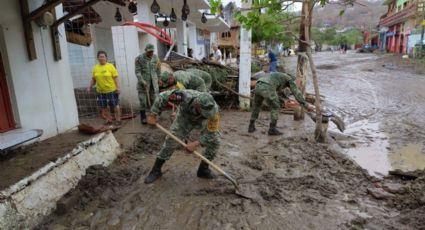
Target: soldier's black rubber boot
[(205, 172), (143, 117), (155, 172), (273, 130), (251, 127)]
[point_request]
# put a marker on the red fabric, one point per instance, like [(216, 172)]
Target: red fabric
[(152, 30)]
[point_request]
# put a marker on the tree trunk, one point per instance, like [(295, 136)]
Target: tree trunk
[(321, 130), (301, 77), (301, 80)]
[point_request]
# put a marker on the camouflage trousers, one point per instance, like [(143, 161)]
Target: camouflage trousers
[(143, 97), (181, 128), (264, 91)]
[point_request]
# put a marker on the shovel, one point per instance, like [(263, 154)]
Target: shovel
[(217, 168), (326, 116), (148, 96)]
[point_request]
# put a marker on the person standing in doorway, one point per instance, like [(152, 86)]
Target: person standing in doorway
[(148, 68), (105, 78)]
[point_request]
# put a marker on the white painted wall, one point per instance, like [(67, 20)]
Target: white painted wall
[(103, 41), (42, 89), (126, 49), (83, 58), (144, 15)]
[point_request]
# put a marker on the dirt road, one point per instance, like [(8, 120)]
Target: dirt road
[(383, 105), (298, 184)]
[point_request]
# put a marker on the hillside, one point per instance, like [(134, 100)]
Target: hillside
[(359, 16)]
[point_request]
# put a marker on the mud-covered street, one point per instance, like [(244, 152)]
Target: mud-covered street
[(296, 183), (382, 103)]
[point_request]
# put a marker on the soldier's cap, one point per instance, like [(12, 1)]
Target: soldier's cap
[(208, 106), (164, 76), (149, 47)]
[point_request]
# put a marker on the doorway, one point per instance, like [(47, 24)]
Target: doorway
[(6, 116)]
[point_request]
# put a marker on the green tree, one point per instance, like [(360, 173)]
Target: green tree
[(267, 26)]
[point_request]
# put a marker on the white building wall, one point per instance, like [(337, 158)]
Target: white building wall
[(43, 88), (126, 49), (144, 15), (103, 41), (83, 58)]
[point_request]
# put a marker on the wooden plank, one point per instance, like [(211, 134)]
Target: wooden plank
[(79, 10), (39, 11), (28, 33), (54, 34)]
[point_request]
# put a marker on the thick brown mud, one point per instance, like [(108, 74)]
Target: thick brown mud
[(296, 183)]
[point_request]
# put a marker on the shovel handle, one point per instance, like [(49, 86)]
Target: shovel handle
[(148, 96), (199, 155)]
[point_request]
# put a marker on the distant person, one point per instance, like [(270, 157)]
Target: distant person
[(273, 61), (238, 56), (190, 52), (217, 55), (211, 57), (105, 77)]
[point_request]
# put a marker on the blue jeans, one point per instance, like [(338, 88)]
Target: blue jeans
[(273, 66)]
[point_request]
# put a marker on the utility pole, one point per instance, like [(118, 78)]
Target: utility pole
[(245, 63)]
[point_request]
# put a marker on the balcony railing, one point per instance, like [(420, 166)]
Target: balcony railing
[(400, 16)]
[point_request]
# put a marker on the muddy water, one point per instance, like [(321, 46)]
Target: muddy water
[(383, 108)]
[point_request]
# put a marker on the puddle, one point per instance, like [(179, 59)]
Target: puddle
[(409, 157), (374, 155), (373, 158)]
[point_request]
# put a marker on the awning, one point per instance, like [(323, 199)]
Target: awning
[(215, 24)]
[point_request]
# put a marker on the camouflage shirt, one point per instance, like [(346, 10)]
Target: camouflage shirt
[(278, 81), (147, 69)]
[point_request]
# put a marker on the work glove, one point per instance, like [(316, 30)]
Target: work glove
[(310, 108), (152, 119), (192, 146)]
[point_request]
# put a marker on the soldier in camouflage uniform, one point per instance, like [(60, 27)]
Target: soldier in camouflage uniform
[(267, 88), (148, 68), (197, 110), (182, 80), (204, 75)]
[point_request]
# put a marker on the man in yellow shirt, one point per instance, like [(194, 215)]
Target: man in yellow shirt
[(105, 77)]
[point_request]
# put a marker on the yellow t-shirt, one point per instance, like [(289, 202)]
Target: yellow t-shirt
[(104, 76)]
